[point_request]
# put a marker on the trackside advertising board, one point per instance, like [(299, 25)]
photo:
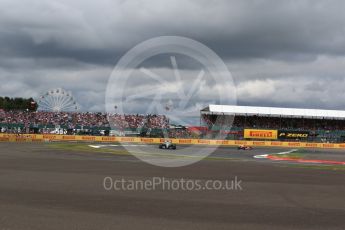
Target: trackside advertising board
[(261, 134), (286, 134), (87, 139)]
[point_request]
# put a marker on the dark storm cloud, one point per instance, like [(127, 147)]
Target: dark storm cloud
[(101, 32), (22, 45), (269, 46)]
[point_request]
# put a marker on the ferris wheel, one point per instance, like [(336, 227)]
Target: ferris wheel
[(57, 100)]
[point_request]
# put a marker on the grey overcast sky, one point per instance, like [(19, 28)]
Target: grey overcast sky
[(280, 53)]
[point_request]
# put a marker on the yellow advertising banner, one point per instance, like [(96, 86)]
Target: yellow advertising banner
[(261, 134), (249, 133)]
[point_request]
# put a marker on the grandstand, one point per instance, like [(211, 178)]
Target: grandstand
[(87, 123), (276, 123), (225, 121)]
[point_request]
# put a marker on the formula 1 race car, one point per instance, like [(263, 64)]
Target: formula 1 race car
[(167, 145), (243, 147)]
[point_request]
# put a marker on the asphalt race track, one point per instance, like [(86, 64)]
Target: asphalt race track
[(50, 188)]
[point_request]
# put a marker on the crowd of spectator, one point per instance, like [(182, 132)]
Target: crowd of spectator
[(133, 121), (138, 121), (283, 123), (152, 124), (181, 133), (93, 120)]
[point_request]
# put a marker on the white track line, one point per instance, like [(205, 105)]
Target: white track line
[(281, 153), (102, 146), (95, 146)]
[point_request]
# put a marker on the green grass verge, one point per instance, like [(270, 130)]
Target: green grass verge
[(78, 147), (85, 148), (294, 155), (316, 167), (300, 154)]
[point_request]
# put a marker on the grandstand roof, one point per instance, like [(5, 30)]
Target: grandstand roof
[(273, 111)]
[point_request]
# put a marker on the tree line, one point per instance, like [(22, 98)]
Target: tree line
[(18, 103)]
